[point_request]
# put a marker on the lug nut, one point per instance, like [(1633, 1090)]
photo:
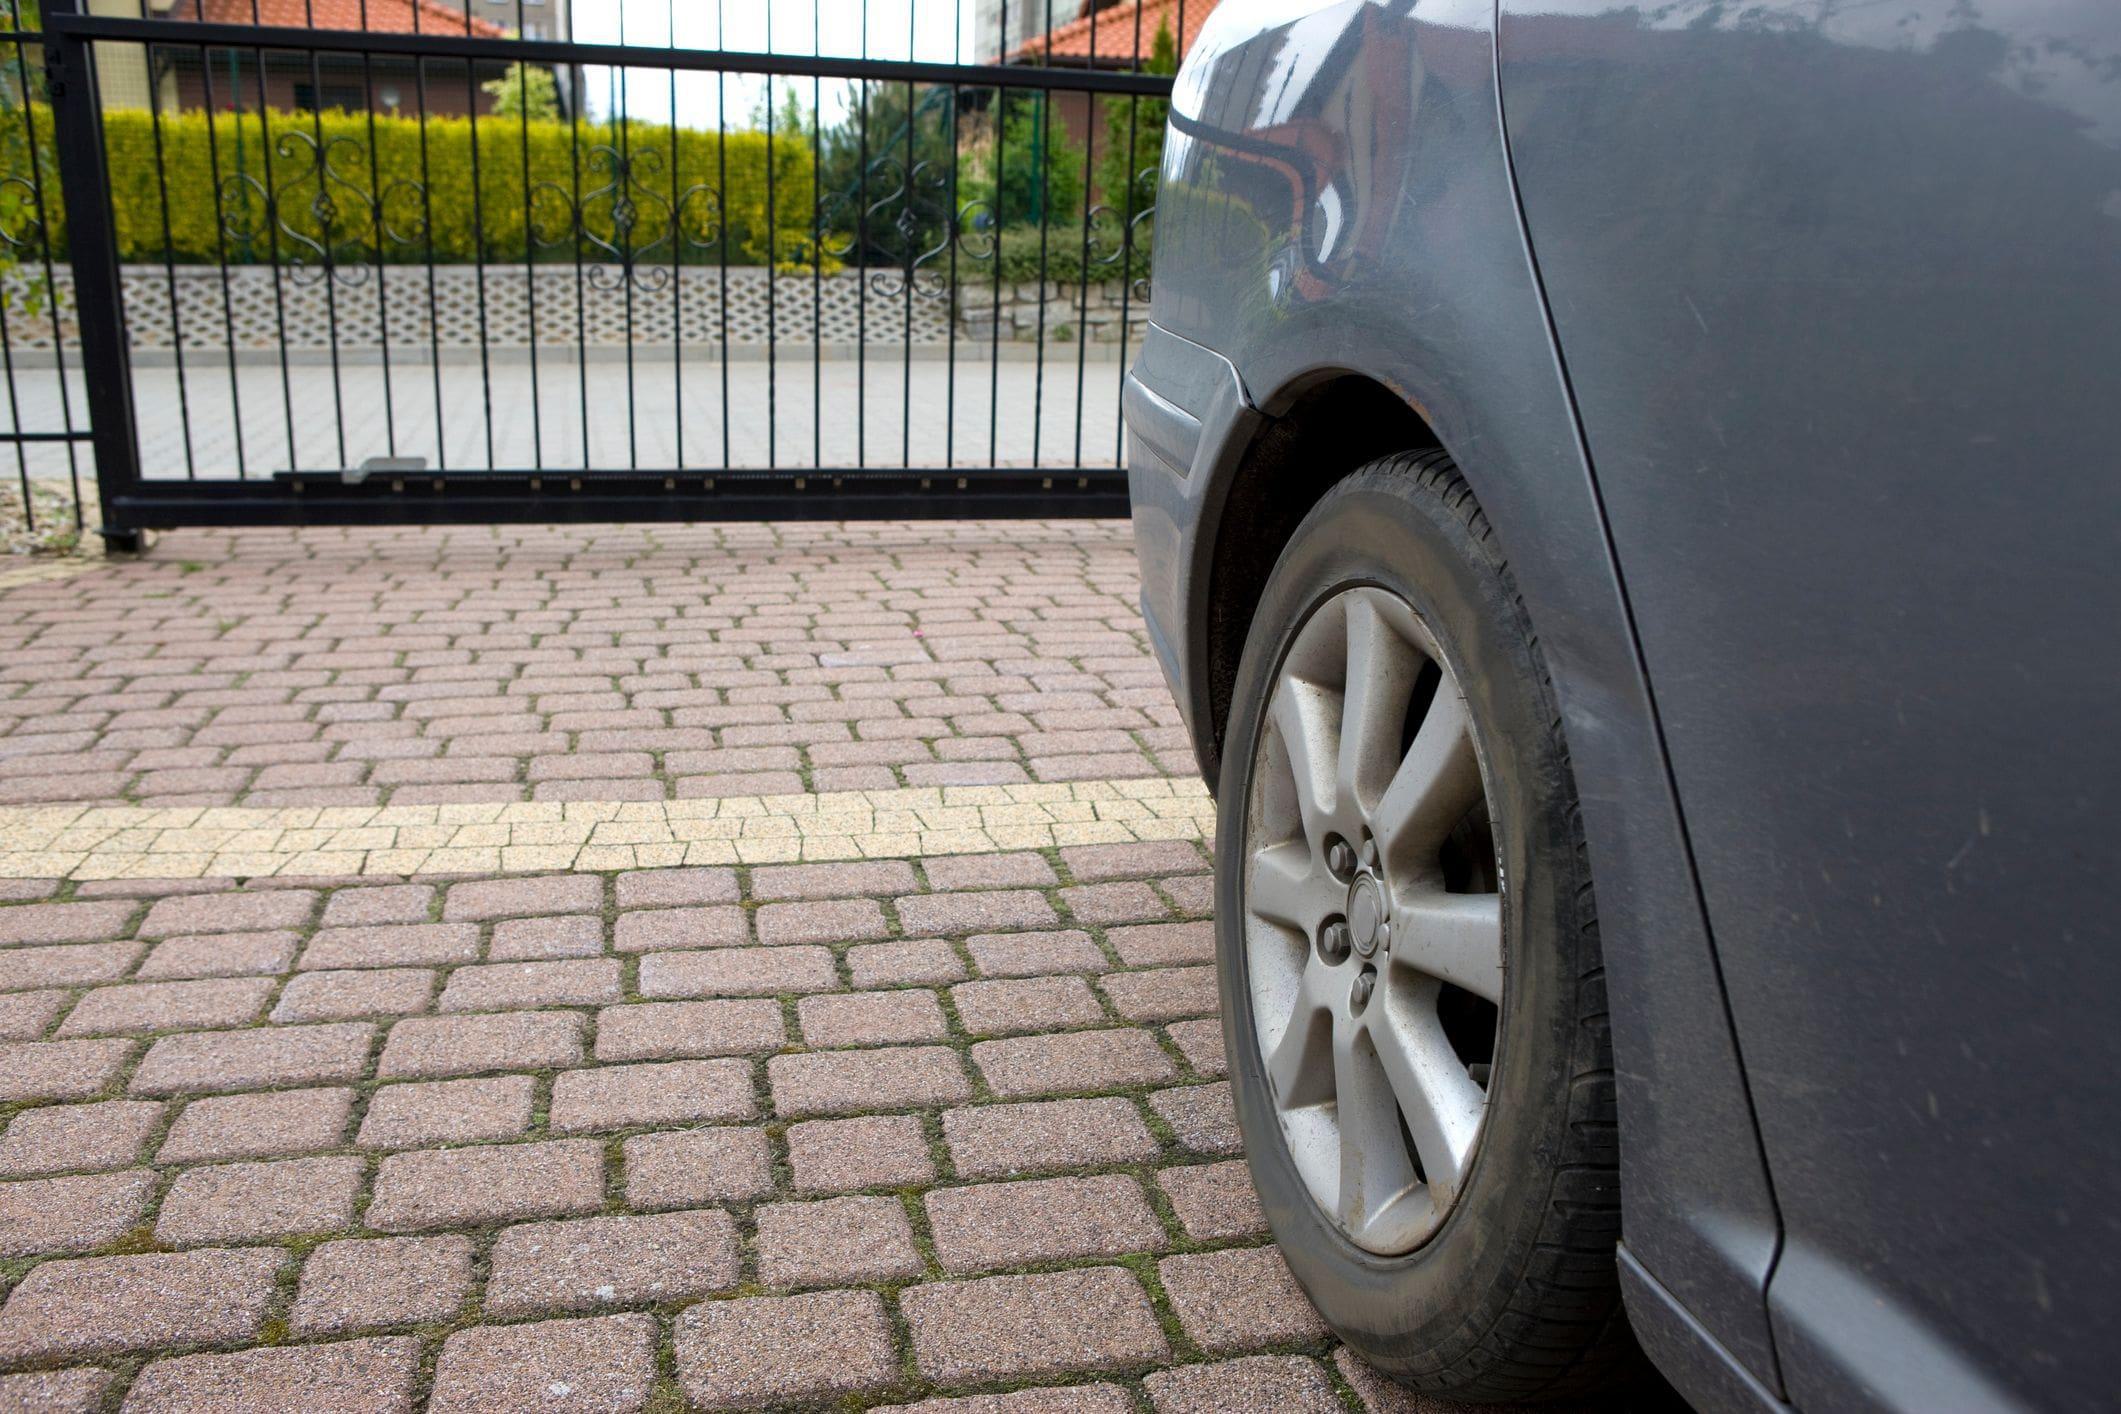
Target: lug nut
[(1365, 983), (1340, 858), (1370, 857), (1334, 943), (1384, 934)]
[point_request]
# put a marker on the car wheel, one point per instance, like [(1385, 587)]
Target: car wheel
[(1412, 991)]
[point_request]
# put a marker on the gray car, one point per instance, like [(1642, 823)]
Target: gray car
[(1629, 502)]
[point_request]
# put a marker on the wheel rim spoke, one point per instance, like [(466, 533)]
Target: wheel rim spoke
[(1297, 1065), (1437, 1096), (1382, 668), (1434, 787), (1375, 1174), (1304, 718), (1283, 886), (1456, 938)]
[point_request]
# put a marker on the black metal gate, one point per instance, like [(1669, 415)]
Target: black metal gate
[(366, 261)]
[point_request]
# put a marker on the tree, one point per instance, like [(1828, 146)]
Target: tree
[(1133, 141), (525, 91)]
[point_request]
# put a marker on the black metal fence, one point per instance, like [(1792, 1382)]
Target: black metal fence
[(341, 261)]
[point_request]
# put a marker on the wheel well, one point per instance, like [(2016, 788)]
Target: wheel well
[(1320, 431)]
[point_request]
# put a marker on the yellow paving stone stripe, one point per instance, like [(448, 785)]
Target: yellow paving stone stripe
[(88, 841)]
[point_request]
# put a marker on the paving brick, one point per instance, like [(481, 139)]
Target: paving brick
[(847, 920), (599, 1363), (66, 966), (1164, 994), (228, 913), (253, 1060), (873, 1151), (374, 1376), (60, 1070), (989, 1141), (1005, 1006), (1279, 1382), (1201, 1042), (591, 1263), (671, 929), (672, 888), (140, 1303), (439, 1188), (916, 962), (1035, 954), (515, 898), (1201, 1116), (71, 1214), (382, 903), (1163, 944), (1214, 1201), (992, 1225), (870, 1018), (76, 1391), (669, 1092), (44, 923), (525, 939), (684, 1170), (342, 996), (1061, 1399), (448, 1112), (222, 955), (897, 1078), (139, 1008), (429, 1047), (245, 1202), (738, 972), (839, 1241), (391, 945), (579, 982), (24, 1016), (1090, 863), (1071, 1062), (981, 912), (1377, 1393), (874, 877), (988, 871), (1018, 1327), (1239, 1300), (1114, 903), (772, 1350), (67, 1138), (254, 1126), (379, 1283), (1190, 893), (672, 1030)]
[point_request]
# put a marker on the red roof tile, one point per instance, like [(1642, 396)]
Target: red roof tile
[(1114, 29), (378, 16)]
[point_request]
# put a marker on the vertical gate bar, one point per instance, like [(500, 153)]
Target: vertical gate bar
[(574, 239), (375, 224), (427, 242), (1126, 243), (98, 296), (950, 234), (994, 342), (773, 244), (817, 244), (169, 265), (861, 258), (272, 237), (228, 307), (530, 269), (905, 414), (677, 252), (1082, 274), (7, 348), (721, 178), (331, 273), (478, 249), (622, 177), (1042, 139)]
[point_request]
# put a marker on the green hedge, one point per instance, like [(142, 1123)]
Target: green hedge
[(1063, 260), (280, 151)]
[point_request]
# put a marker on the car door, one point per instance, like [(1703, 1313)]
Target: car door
[(1838, 292)]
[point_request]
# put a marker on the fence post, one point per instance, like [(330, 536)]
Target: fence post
[(92, 248)]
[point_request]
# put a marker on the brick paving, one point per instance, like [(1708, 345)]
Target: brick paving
[(944, 1131)]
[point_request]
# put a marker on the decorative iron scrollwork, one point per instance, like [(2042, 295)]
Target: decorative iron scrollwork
[(1128, 237), (639, 221)]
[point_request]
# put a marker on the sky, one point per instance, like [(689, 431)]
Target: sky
[(928, 30)]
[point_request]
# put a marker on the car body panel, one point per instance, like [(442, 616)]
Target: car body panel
[(1337, 198), (1838, 294)]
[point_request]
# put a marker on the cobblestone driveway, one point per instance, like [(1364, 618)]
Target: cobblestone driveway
[(874, 1129)]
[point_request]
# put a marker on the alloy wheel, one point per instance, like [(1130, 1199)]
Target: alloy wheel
[(1373, 919)]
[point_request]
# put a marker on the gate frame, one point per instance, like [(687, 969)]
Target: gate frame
[(132, 504)]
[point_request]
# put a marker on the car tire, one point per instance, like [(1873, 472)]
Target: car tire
[(1513, 1295)]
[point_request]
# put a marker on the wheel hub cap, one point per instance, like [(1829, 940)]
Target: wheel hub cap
[(1366, 913)]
